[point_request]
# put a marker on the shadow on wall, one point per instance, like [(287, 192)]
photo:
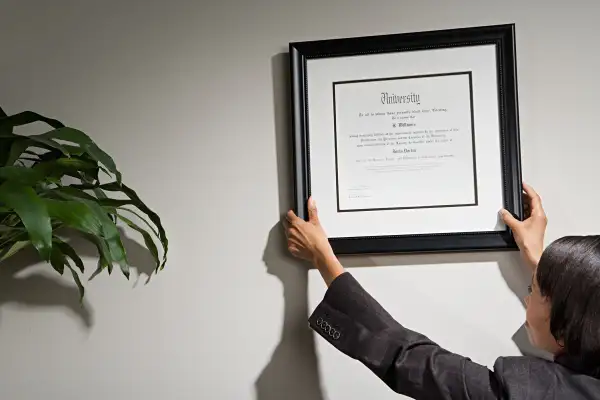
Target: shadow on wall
[(42, 290), (292, 373)]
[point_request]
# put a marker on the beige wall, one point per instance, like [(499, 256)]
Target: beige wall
[(189, 97)]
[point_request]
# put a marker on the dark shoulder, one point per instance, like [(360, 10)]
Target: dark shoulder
[(529, 377)]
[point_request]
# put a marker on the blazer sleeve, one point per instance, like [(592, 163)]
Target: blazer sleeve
[(406, 361)]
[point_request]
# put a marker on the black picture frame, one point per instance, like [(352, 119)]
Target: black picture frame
[(503, 38)]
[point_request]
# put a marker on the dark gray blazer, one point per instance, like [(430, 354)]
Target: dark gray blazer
[(412, 365)]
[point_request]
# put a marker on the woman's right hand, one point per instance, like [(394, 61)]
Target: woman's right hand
[(529, 233)]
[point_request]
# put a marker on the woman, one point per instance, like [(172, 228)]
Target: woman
[(563, 318)]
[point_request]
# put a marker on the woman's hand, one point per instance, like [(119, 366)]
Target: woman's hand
[(307, 240), (529, 234)]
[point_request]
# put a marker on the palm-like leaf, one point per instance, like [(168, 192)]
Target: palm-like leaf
[(51, 181)]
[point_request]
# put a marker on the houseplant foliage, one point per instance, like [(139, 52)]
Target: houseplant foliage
[(50, 184)]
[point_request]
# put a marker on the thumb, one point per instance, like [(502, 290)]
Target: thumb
[(313, 215), (508, 219)]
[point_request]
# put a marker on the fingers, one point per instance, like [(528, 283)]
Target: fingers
[(508, 219), (526, 211), (290, 225), (294, 242), (291, 234), (291, 217), (293, 249), (312, 210), (531, 193), (291, 220), (536, 201), (313, 215)]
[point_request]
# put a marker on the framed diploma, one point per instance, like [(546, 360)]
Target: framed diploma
[(409, 142)]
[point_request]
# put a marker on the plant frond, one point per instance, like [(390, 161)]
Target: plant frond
[(51, 181)]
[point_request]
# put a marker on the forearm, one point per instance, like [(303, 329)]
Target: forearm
[(328, 264)]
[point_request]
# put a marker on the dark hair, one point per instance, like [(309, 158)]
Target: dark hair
[(569, 275)]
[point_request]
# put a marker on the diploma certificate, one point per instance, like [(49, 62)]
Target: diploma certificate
[(405, 142)]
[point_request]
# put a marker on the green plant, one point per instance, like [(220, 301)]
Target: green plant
[(50, 184)]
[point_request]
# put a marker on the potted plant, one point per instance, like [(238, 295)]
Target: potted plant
[(50, 185)]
